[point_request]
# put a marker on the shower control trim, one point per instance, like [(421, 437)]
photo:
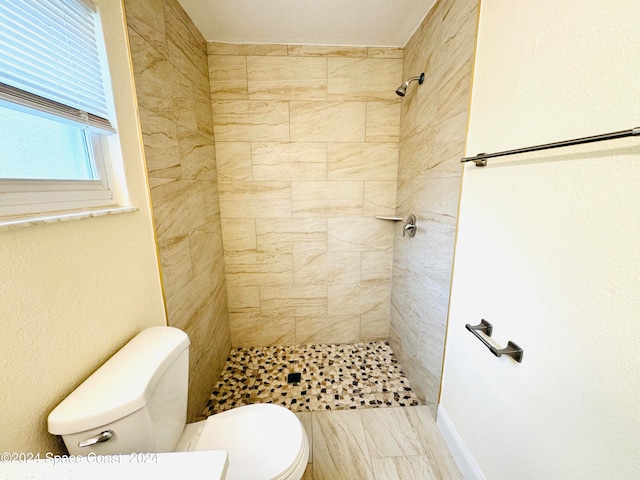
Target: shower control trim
[(410, 227)]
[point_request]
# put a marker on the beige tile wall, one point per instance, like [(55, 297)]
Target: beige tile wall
[(307, 150), (171, 73), (432, 134)]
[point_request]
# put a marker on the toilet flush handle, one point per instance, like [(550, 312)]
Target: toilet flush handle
[(100, 438)]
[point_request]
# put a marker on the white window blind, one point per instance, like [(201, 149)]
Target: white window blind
[(50, 60)]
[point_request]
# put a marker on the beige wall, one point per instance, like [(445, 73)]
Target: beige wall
[(307, 149), (171, 74), (548, 247), (74, 292), (432, 133)]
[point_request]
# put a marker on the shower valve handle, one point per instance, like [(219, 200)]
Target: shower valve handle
[(410, 226)]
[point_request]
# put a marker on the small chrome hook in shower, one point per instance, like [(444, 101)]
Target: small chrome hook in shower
[(410, 227), (402, 89)]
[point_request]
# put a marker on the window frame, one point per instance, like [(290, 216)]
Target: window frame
[(31, 197), (25, 197)]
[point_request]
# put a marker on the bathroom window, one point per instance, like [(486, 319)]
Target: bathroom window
[(55, 108)]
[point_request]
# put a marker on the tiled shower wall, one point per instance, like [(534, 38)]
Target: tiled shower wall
[(172, 82), (432, 135), (307, 153)]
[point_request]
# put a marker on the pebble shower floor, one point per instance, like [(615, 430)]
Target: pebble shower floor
[(333, 377)]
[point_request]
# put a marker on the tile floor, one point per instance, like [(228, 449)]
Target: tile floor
[(333, 377), (377, 444), (339, 384)]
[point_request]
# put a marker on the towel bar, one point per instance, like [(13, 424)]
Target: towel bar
[(511, 350)]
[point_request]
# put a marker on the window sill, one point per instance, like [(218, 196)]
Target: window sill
[(22, 221)]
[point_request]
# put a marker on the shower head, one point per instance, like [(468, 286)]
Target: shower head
[(402, 89)]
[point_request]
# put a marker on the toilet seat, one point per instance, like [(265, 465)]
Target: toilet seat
[(264, 442)]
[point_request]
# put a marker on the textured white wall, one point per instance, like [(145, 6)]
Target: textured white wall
[(75, 292), (548, 246)]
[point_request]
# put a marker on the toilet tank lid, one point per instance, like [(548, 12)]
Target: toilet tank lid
[(122, 385)]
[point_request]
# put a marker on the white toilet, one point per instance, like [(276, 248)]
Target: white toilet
[(137, 402)]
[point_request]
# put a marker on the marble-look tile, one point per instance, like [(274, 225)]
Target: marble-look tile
[(445, 147), (175, 14), (392, 433), (291, 235), (233, 160), (439, 455), (178, 207), (184, 99), (364, 79), (450, 65), (343, 268), (212, 205), (326, 51), (438, 195), (239, 234), (206, 247), (403, 199), (357, 299), (359, 234), (402, 468), (327, 121), (219, 48), (385, 52), (436, 252), (287, 78), (413, 155), (171, 74), (376, 266), (327, 329), (362, 161), (255, 200), (186, 48), (248, 329), (160, 145), (379, 198), (453, 85), (251, 120), (183, 306), (308, 300), (204, 114), (244, 299), (326, 199), (151, 70), (197, 155), (383, 121), (321, 267), (146, 17), (306, 419), (274, 161), (374, 326), (308, 473), (310, 268), (404, 319), (228, 77), (175, 258), (340, 449), (375, 298), (250, 269)]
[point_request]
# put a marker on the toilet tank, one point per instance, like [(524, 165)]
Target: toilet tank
[(139, 394)]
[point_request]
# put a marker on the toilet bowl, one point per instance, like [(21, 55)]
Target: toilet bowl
[(262, 441), (137, 402)]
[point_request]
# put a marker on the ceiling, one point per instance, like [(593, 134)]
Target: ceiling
[(371, 23)]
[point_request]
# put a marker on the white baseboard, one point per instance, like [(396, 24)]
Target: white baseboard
[(463, 458)]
